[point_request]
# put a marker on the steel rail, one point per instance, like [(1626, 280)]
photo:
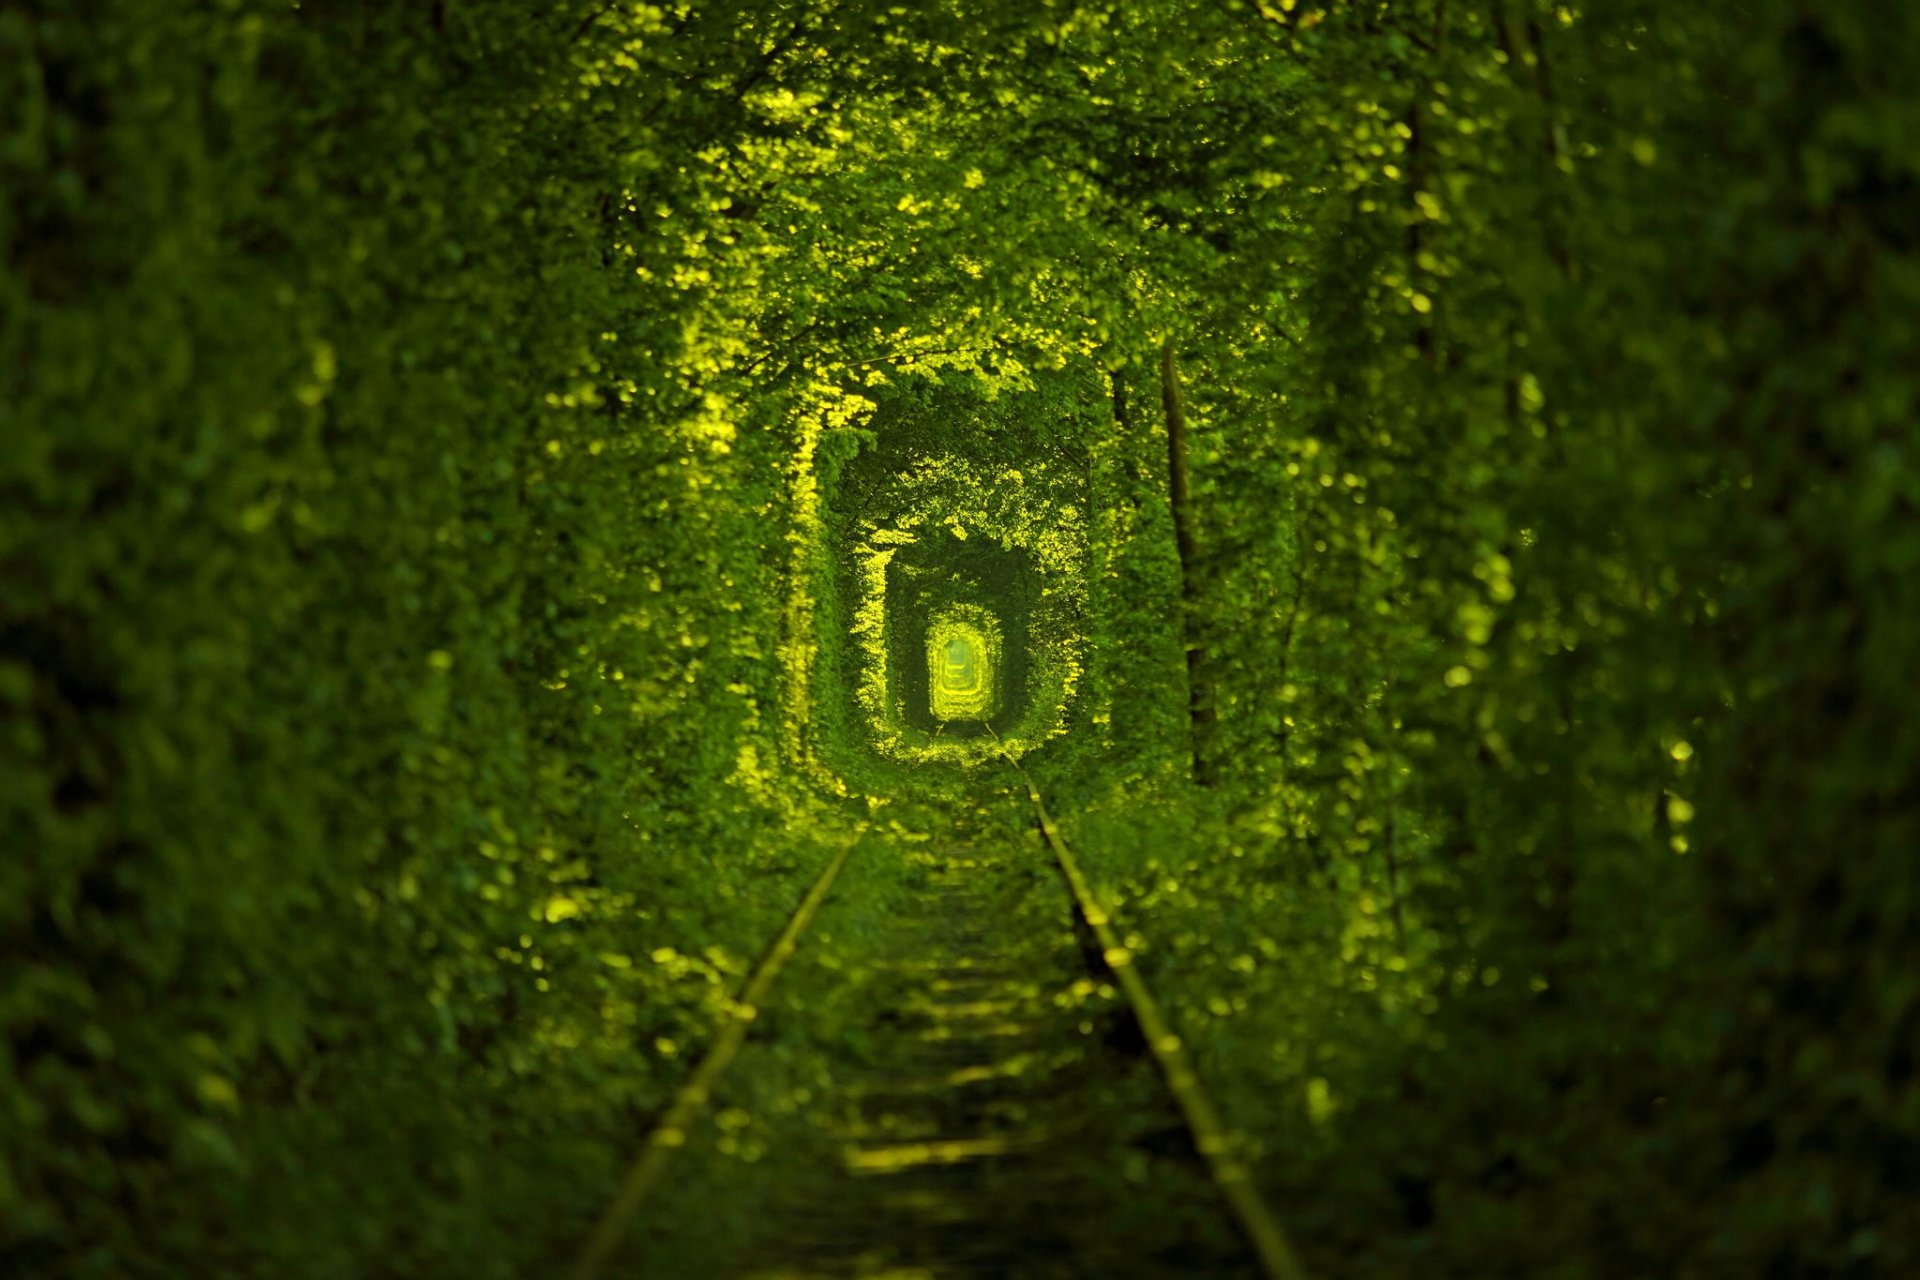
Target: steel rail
[(669, 1134), (1210, 1134)]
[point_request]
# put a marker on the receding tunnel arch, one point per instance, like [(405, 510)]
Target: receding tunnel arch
[(953, 498), (963, 665), (943, 579)]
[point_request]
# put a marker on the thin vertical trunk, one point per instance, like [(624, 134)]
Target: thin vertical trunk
[(1293, 623), (1200, 694)]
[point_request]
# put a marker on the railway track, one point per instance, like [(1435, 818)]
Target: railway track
[(1015, 1104)]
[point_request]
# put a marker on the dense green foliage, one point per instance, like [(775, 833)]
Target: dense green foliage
[(475, 478)]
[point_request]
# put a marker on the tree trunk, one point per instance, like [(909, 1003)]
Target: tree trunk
[(1200, 696)]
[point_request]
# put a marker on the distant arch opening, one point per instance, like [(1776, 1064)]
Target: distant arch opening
[(935, 585), (963, 652)]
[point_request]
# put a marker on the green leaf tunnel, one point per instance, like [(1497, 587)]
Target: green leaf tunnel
[(495, 500)]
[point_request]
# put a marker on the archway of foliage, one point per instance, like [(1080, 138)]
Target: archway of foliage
[(444, 455), (930, 516), (926, 582), (963, 652)]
